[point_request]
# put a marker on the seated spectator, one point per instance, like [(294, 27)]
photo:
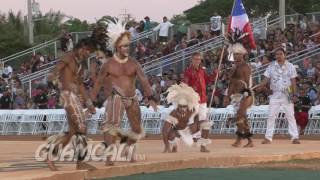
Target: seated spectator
[(6, 100), (311, 71), (7, 71), (139, 95), (53, 98), (65, 41), (199, 35), (311, 91), (19, 100), (302, 106), (41, 98)]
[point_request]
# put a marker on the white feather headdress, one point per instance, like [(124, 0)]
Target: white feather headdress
[(183, 93), (116, 31)]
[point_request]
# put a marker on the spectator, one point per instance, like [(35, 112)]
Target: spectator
[(19, 100), (182, 32), (215, 24), (199, 35), (140, 27), (41, 98), (311, 91), (311, 71), (302, 106), (133, 30), (5, 100), (1, 68), (52, 99), (147, 24), (7, 72), (139, 95), (163, 30), (66, 41), (307, 42)]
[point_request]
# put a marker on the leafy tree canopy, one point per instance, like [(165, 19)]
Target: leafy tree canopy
[(207, 8)]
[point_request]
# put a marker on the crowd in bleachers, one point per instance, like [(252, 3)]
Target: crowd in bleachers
[(297, 36)]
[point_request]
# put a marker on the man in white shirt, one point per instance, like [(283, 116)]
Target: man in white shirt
[(7, 72), (281, 75), (163, 29), (215, 24)]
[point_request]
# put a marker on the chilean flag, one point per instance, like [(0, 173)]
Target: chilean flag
[(240, 20)]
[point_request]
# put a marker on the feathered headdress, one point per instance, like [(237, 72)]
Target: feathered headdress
[(183, 94), (100, 39), (117, 34), (234, 41)]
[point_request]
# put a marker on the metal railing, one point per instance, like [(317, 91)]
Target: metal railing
[(293, 58), (53, 45), (185, 54), (164, 61)]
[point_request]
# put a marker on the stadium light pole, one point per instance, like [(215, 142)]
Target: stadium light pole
[(282, 13), (30, 22)]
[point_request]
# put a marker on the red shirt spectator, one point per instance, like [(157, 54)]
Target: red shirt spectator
[(197, 78)]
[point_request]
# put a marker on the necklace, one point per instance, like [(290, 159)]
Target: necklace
[(121, 61), (281, 69)]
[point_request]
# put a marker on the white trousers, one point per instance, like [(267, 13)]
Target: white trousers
[(274, 108), (203, 110)]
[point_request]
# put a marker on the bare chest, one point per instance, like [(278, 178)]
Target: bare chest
[(125, 69)]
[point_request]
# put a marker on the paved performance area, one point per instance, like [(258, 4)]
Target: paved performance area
[(17, 159), (226, 174)]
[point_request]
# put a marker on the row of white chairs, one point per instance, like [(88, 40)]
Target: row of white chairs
[(37, 122)]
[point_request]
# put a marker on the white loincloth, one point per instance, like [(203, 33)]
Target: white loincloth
[(186, 136)]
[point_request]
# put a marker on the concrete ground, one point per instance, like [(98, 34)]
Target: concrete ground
[(17, 159)]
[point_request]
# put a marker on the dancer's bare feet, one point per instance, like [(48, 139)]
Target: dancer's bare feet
[(51, 165), (166, 149), (85, 166), (237, 143), (266, 141), (296, 141), (249, 145), (204, 149), (174, 149)]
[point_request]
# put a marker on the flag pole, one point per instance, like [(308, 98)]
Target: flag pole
[(220, 61), (217, 75)]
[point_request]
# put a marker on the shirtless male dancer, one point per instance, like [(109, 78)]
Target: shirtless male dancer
[(120, 72), (240, 93), (68, 73)]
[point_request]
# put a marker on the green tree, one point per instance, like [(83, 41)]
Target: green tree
[(179, 19), (76, 25), (48, 26), (12, 37), (205, 9)]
